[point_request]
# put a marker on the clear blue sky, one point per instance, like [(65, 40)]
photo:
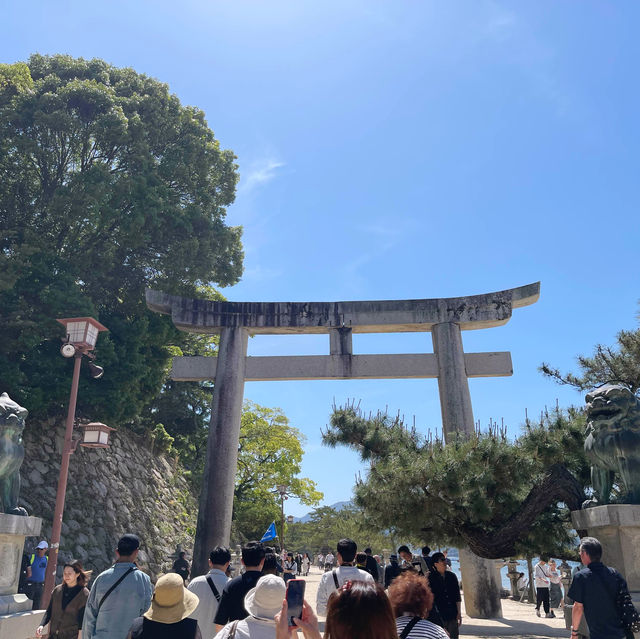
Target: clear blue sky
[(404, 150)]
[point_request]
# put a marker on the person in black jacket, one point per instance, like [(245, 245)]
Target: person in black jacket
[(392, 570), (231, 605), (372, 565), (594, 591), (446, 592), (181, 566)]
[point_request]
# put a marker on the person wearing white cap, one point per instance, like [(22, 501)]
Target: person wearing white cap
[(167, 618), (262, 603), (36, 573)]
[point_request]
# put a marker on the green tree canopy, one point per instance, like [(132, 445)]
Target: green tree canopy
[(500, 497), (270, 454), (109, 185), (328, 525)]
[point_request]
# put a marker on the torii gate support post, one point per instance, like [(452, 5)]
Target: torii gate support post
[(216, 498), (480, 577)]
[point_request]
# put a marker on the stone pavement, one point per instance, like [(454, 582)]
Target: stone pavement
[(519, 621)]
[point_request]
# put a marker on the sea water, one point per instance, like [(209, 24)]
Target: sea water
[(506, 582)]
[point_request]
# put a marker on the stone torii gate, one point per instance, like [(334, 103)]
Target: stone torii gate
[(445, 318)]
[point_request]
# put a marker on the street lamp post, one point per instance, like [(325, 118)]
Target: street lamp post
[(81, 337), (289, 520), (282, 489)]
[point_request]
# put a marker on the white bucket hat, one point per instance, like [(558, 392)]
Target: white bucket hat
[(265, 600)]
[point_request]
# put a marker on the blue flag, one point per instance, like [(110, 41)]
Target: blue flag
[(270, 533)]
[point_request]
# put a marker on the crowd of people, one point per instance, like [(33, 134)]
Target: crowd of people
[(413, 597)]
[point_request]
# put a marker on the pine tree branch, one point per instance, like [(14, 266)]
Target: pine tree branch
[(558, 485)]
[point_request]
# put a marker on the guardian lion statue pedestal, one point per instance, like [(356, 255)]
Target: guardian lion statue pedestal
[(17, 620), (612, 445)]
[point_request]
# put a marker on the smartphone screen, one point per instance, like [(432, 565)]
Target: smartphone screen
[(295, 597)]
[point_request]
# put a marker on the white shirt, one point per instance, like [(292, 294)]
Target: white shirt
[(208, 604), (329, 558), (251, 628), (327, 584), (542, 575)]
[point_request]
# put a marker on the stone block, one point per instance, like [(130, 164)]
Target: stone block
[(10, 604), (21, 625), (13, 530), (482, 586), (15, 525), (617, 527)]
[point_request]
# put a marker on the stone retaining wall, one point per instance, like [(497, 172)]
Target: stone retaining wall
[(127, 487)]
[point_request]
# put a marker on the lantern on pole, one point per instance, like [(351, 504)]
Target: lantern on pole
[(81, 337), (82, 334)]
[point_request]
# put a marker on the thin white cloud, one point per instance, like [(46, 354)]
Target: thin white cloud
[(259, 174)]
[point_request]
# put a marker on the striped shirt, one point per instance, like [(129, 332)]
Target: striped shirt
[(422, 630)]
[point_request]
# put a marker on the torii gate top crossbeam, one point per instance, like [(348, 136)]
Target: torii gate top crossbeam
[(384, 316)]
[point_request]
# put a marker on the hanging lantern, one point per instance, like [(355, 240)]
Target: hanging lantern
[(95, 435)]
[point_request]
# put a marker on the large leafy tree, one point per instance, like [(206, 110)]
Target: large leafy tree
[(270, 454), (500, 497), (108, 185)]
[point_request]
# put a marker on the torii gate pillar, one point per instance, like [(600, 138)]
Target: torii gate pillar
[(455, 399), (221, 463), (480, 577), (445, 318)]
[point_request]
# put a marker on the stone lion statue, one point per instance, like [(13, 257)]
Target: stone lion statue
[(613, 442), (12, 420)]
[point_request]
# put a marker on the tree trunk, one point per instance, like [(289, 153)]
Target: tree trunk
[(558, 485)]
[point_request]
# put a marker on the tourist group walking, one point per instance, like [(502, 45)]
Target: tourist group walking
[(412, 597)]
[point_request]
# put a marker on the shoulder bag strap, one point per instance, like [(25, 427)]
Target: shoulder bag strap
[(106, 594), (335, 579), (214, 590), (409, 627), (232, 632)]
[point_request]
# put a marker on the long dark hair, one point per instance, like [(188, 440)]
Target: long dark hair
[(360, 610), (83, 575)]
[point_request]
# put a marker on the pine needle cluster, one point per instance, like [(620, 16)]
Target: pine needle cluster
[(501, 497)]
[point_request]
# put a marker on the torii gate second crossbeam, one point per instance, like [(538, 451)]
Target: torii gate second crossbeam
[(445, 318)]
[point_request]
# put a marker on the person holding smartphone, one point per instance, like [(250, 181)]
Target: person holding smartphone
[(262, 603), (357, 610)]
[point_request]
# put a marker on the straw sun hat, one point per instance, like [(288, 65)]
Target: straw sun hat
[(171, 602), (265, 600)]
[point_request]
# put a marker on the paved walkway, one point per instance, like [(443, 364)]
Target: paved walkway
[(519, 621)]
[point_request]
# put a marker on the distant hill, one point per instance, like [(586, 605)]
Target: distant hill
[(339, 505)]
